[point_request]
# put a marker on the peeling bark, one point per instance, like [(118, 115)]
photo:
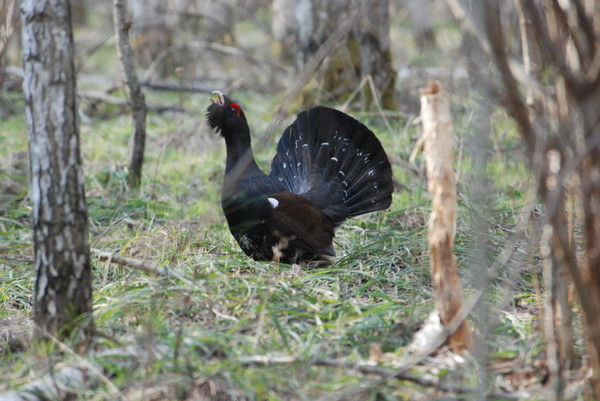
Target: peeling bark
[(63, 289), (435, 113)]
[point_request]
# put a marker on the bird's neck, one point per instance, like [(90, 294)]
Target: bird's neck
[(240, 159)]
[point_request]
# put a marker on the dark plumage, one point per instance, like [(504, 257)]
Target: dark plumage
[(328, 167)]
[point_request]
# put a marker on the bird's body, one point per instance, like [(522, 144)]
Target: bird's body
[(328, 167)]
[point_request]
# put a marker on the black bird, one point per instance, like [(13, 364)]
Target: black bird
[(328, 167)]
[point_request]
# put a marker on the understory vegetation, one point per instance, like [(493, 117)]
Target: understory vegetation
[(270, 331)]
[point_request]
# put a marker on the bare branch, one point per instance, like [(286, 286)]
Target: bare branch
[(585, 24), (532, 58), (135, 264), (371, 368), (513, 100), (99, 96), (551, 45), (569, 28), (467, 25), (166, 86)]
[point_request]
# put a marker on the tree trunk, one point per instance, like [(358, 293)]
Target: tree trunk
[(557, 311), (366, 58), (136, 96), (589, 177), (292, 26), (435, 114), (63, 291), (422, 21), (362, 59), (9, 30), (373, 35), (153, 34), (341, 70), (219, 20), (561, 131)]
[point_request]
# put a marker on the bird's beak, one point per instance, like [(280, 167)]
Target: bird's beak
[(220, 100)]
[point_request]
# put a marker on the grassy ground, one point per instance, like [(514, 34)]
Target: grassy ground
[(374, 297), (206, 334)]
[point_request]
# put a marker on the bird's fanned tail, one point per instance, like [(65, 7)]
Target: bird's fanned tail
[(335, 162)]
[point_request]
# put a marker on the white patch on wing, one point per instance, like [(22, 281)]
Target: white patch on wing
[(274, 202)]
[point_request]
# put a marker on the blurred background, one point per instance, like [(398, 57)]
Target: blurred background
[(330, 49)]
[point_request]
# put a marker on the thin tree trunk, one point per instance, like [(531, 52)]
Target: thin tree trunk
[(530, 50), (422, 21), (563, 141), (435, 114), (552, 317), (63, 291), (136, 96), (154, 24), (375, 51), (590, 193), (557, 312), (293, 28), (7, 29)]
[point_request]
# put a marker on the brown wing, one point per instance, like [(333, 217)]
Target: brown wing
[(295, 220)]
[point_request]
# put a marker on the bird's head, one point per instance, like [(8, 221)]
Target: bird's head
[(225, 116)]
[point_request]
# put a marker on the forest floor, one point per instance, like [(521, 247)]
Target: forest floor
[(226, 326)]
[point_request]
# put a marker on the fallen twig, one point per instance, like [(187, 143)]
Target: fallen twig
[(370, 368), (135, 264), (420, 354)]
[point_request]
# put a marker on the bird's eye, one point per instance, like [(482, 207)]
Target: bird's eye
[(236, 108)]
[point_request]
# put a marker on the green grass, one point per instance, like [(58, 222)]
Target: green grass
[(376, 294)]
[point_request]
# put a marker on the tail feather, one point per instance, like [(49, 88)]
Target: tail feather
[(334, 161)]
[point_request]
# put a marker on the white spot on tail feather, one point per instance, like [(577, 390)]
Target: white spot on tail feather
[(274, 202)]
